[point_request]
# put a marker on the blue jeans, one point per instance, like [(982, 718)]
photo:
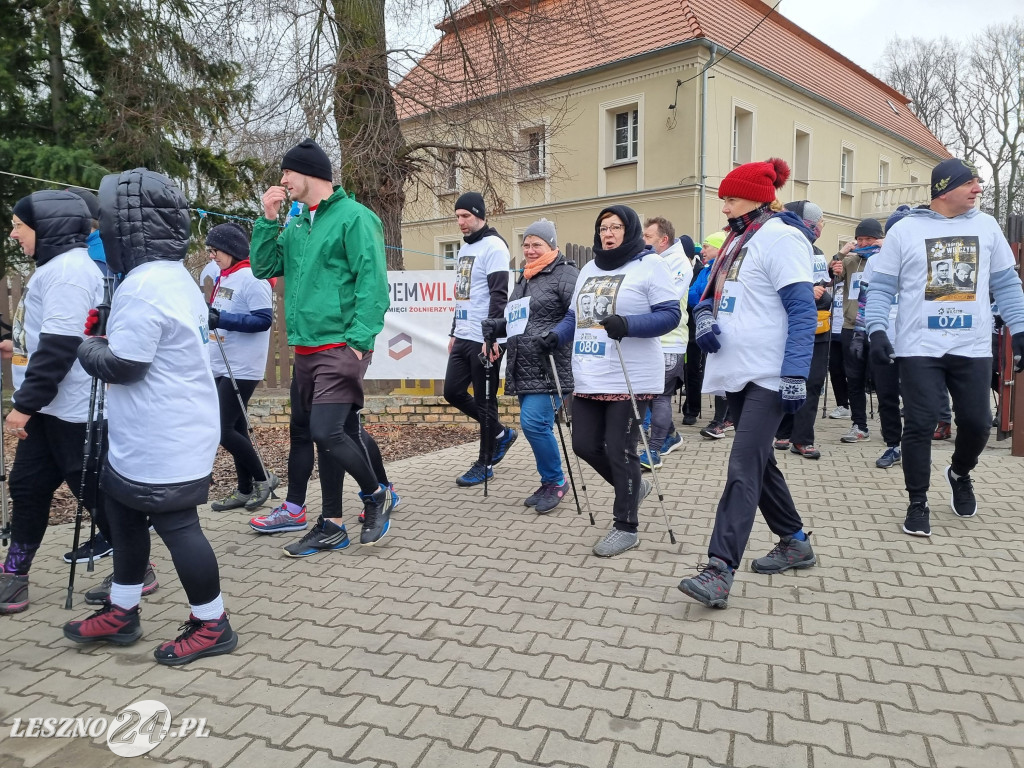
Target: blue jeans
[(537, 418)]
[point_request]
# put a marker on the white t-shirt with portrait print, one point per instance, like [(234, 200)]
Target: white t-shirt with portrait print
[(751, 315), (632, 289), (57, 300), (937, 316), (241, 293), (164, 428), (472, 292)]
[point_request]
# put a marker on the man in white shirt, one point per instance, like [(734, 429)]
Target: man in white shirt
[(943, 338)]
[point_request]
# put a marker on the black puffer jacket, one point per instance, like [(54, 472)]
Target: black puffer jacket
[(62, 223), (527, 368), (143, 217)]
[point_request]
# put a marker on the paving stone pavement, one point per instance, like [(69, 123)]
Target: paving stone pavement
[(481, 635)]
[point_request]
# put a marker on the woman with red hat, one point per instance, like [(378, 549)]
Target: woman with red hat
[(756, 322)]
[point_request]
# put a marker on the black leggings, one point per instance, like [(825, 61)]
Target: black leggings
[(604, 435), (192, 554), (234, 434), (465, 368)]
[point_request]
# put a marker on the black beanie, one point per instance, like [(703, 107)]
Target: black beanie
[(90, 200), (229, 238), (950, 174), (687, 242), (472, 202), (25, 211), (308, 159), (869, 228)]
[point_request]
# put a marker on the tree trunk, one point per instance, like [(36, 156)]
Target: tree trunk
[(58, 93), (372, 144)]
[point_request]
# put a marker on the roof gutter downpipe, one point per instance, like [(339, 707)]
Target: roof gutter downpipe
[(704, 137)]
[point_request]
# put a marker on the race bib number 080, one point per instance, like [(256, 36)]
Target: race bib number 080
[(590, 347)]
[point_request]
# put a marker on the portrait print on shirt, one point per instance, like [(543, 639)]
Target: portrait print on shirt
[(463, 273), (952, 269), (596, 300)]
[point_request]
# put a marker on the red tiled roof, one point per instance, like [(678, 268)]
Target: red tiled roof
[(619, 30)]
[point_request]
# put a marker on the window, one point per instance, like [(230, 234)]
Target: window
[(742, 135), (449, 170), (802, 156), (846, 172), (883, 173), (534, 152), (627, 135), (450, 254)]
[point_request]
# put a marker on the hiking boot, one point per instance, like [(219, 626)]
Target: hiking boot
[(855, 435), (279, 521), (807, 451), (615, 542), (262, 490), (376, 516), (234, 500), (689, 421), (711, 585), (782, 444), (200, 638), (552, 497), (13, 593), (713, 431), (98, 544), (892, 455), (111, 623), (101, 592), (943, 431), (672, 442), (647, 462), (961, 498), (531, 500), (323, 537), (840, 412), (395, 501), (502, 444), (474, 475), (917, 522), (788, 553)]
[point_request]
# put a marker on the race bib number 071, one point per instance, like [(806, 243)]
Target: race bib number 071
[(950, 322)]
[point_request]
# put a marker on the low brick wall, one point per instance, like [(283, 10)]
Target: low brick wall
[(269, 408)]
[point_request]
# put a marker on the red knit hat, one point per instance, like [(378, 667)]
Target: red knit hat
[(755, 181)]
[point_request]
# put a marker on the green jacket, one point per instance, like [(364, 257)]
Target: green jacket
[(336, 281)]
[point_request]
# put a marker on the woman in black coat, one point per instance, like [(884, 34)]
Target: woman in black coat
[(540, 299)]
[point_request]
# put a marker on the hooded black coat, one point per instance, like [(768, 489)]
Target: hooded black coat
[(527, 368)]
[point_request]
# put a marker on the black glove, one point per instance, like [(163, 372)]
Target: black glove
[(616, 327), (214, 320), (548, 343), (857, 346), (881, 351), (1017, 343), (489, 326)]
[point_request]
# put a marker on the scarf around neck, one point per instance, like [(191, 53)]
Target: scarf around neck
[(534, 267), (742, 228)]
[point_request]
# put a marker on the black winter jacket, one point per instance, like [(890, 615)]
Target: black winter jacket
[(527, 368)]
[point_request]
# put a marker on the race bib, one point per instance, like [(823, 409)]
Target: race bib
[(591, 345), (461, 310), (517, 315), (949, 319), (732, 294), (855, 286)]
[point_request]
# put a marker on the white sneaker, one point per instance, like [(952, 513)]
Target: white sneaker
[(855, 435), (839, 412)]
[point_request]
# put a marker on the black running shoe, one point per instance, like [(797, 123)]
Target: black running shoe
[(917, 522), (99, 545), (961, 494)]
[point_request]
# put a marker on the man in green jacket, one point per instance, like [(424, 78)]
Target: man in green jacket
[(336, 293)]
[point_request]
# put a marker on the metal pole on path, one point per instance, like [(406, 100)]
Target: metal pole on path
[(565, 451)]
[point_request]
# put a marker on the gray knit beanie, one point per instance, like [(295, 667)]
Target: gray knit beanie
[(543, 229)]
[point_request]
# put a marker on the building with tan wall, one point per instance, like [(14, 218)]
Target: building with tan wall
[(746, 84)]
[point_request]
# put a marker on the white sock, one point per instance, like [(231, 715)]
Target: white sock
[(500, 435), (953, 474), (125, 596), (210, 611)]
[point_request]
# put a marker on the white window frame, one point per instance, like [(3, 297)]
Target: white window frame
[(631, 143), (743, 130), (803, 175), (534, 165), (846, 161), (443, 248), (449, 173), (607, 110), (884, 171)]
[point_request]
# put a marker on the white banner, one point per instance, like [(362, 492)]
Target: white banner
[(414, 342)]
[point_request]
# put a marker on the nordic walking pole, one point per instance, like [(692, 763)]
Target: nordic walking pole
[(647, 448), (86, 451), (565, 451), (245, 414), (5, 520), (485, 358)]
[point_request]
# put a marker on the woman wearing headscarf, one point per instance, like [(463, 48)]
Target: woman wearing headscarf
[(756, 322), (540, 299), (641, 306)]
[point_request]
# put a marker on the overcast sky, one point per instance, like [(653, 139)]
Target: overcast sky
[(860, 29)]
